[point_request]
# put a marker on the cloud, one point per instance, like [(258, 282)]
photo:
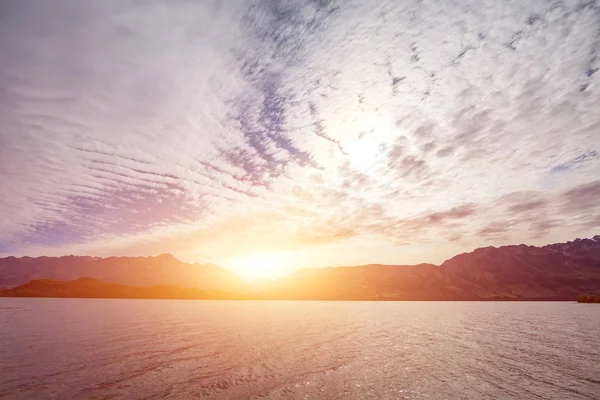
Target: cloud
[(196, 128), (495, 230), (527, 201), (582, 197), (446, 151), (455, 213), (527, 206), (574, 163)]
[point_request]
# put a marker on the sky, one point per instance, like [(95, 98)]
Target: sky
[(299, 133)]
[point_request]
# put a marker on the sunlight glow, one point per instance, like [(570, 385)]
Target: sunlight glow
[(257, 266), (364, 154)]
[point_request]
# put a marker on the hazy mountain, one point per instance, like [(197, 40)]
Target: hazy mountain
[(528, 271), (579, 248), (559, 271), (133, 271), (423, 281), (94, 288)]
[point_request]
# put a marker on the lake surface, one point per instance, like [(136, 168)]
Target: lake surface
[(177, 349)]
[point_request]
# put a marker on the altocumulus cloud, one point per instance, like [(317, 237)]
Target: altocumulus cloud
[(196, 127)]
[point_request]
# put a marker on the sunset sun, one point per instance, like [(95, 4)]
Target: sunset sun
[(256, 267)]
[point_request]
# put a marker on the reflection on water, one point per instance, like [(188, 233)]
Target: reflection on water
[(140, 349)]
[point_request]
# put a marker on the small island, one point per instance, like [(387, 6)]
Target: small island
[(588, 298)]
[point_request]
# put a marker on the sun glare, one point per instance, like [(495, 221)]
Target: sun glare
[(257, 266), (364, 154)]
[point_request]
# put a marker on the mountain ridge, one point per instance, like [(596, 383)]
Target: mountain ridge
[(559, 271), (131, 271)]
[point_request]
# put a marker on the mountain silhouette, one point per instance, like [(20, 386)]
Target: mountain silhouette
[(132, 271), (94, 288), (560, 271)]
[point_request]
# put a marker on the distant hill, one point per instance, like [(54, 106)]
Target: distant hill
[(132, 271), (94, 288), (372, 282), (554, 272), (559, 271)]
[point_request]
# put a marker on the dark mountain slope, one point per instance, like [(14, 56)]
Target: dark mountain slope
[(132, 271), (526, 271), (94, 288), (554, 272), (416, 282)]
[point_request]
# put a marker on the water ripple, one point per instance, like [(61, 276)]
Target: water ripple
[(130, 349)]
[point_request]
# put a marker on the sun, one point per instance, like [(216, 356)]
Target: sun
[(256, 267)]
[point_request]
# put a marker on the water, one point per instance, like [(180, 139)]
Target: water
[(175, 349)]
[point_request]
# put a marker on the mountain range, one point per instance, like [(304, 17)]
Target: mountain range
[(560, 271), (132, 271)]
